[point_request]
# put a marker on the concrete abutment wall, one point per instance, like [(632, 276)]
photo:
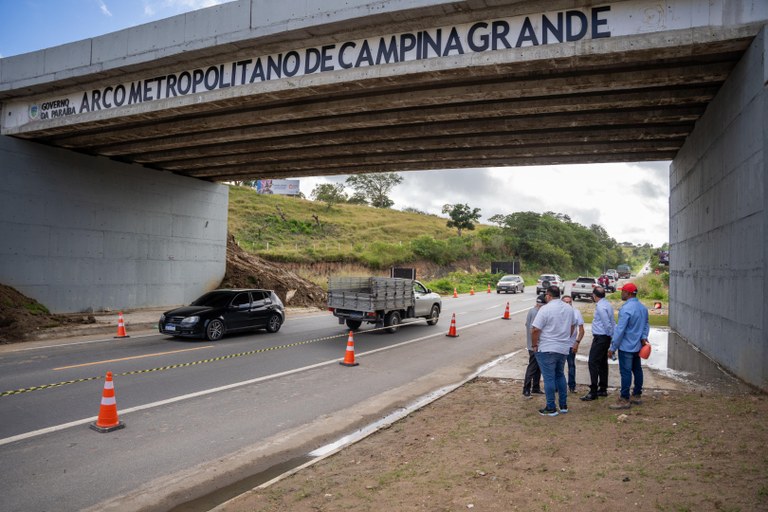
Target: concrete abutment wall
[(79, 232), (719, 223)]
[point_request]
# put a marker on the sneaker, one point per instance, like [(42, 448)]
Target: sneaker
[(563, 410), (527, 395), (538, 392), (602, 393), (572, 390), (621, 403), (635, 400), (548, 412), (589, 397)]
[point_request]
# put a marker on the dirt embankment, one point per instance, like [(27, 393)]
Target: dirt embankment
[(245, 270), (21, 316)]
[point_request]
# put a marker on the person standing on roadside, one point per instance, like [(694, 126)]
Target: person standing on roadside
[(532, 381), (603, 325), (551, 340), (576, 337), (631, 333)]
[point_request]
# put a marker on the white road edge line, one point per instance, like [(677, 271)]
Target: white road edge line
[(56, 428)]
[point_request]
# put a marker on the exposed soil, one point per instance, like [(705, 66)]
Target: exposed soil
[(483, 447), (21, 316), (245, 270)]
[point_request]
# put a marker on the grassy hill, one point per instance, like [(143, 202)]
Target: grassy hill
[(289, 229), (318, 240)]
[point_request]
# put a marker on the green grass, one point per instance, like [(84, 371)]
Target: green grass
[(282, 228), (286, 229)]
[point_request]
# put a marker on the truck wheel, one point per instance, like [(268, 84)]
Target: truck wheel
[(574, 297), (392, 321), (354, 324), (434, 315)]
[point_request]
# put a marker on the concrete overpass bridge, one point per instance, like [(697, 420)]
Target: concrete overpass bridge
[(113, 147)]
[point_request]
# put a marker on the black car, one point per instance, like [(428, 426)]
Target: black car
[(223, 311)]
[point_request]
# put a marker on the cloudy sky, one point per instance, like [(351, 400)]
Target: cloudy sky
[(631, 201)]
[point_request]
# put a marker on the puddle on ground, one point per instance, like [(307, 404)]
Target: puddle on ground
[(675, 357)]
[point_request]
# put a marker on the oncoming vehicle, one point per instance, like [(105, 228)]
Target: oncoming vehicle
[(612, 272), (223, 311), (510, 283), (554, 280)]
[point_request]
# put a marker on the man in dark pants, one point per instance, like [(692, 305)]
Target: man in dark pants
[(532, 382), (602, 330)]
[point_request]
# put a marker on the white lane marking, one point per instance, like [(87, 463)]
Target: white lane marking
[(56, 428)]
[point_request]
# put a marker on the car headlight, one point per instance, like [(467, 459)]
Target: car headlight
[(191, 320)]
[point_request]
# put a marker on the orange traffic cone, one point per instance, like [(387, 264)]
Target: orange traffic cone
[(472, 290), (452, 330), (489, 287), (107, 420), (121, 327), (455, 294), (349, 355), (506, 313)]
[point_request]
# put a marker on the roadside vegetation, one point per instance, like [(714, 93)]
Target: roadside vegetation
[(296, 230)]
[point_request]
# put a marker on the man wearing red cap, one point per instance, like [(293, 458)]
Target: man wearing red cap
[(631, 333)]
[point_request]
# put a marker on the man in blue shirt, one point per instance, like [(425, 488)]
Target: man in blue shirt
[(603, 325), (631, 333)]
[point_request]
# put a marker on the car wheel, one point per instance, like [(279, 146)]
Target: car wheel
[(392, 321), (497, 291), (514, 290), (574, 297), (434, 315), (214, 330), (354, 324), (274, 323)]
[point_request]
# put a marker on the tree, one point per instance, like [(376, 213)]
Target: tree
[(375, 187), (329, 193), (358, 198), (461, 216)]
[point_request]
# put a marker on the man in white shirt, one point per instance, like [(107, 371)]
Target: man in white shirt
[(551, 340)]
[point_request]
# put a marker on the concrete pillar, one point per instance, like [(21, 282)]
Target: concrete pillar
[(79, 232), (718, 228)]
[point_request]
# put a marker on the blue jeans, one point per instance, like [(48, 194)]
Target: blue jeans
[(552, 367), (572, 370), (629, 365)]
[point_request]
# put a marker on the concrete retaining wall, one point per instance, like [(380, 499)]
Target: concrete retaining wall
[(79, 232), (718, 222)]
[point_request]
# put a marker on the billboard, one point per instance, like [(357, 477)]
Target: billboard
[(281, 187)]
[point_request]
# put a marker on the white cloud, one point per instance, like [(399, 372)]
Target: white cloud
[(631, 201), (104, 9)]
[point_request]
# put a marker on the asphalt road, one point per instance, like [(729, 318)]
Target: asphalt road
[(200, 416)]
